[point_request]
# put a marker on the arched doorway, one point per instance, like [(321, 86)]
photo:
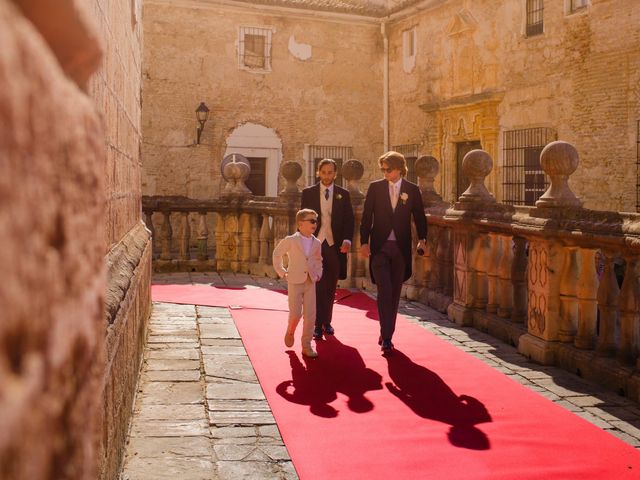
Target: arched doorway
[(262, 146)]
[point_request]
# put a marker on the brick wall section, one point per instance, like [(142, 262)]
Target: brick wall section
[(190, 55), (52, 255), (579, 77), (115, 88), (72, 236)]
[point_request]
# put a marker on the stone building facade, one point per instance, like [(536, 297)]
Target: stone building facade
[(72, 237), (506, 76)]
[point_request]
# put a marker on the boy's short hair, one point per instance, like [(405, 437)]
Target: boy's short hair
[(327, 161), (302, 214), (395, 160)]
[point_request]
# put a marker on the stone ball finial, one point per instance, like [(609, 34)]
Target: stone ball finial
[(291, 171), (476, 165), (352, 169), (427, 167), (559, 160), (235, 170)]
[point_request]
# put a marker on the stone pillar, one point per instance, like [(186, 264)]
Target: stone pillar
[(167, 234), (469, 284), (545, 264), (244, 234)]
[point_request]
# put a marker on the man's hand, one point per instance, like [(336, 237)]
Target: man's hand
[(421, 246), (346, 246), (364, 250)]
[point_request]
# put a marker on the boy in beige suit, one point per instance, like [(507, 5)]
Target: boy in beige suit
[(304, 270)]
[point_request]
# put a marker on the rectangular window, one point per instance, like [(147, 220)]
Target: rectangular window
[(257, 180), (409, 42), (535, 22), (523, 180), (318, 152), (410, 152), (254, 49), (578, 5)]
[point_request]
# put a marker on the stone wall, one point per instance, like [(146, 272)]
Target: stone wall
[(477, 75), (116, 89), (52, 255), (324, 88), (71, 234)]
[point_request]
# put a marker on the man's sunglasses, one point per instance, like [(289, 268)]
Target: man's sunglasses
[(386, 170), (310, 220)]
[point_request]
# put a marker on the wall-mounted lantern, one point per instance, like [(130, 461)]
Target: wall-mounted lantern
[(202, 115)]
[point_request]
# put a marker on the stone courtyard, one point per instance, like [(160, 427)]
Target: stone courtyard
[(200, 413)]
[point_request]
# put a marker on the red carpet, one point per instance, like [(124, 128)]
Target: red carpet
[(429, 411)]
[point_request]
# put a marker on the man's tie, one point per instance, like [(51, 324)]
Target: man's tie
[(326, 194), (394, 196)]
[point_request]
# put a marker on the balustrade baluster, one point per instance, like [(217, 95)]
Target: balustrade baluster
[(480, 262), (519, 280), (569, 279), (495, 254), (608, 294), (255, 238), (203, 236), (587, 291), (264, 241), (630, 313), (244, 233), (167, 234), (185, 237), (505, 289)]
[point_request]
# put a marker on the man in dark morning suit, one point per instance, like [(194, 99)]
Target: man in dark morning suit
[(385, 235), (335, 231)]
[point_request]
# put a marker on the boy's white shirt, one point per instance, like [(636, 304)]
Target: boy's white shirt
[(300, 265)]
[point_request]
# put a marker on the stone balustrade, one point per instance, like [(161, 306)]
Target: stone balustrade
[(560, 282)]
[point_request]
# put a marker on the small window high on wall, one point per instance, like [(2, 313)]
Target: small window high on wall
[(535, 24), (254, 49), (575, 5), (409, 48), (523, 180)]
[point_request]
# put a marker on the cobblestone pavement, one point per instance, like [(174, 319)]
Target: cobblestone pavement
[(200, 412)]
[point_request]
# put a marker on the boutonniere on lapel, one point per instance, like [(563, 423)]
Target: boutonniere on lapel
[(403, 197), (338, 196)]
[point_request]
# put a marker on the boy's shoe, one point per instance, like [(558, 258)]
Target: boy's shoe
[(309, 352), (317, 333), (288, 339)]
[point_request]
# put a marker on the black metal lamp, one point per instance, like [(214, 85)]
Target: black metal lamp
[(202, 114)]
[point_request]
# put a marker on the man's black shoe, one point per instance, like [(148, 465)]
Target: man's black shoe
[(317, 333), (328, 330), (387, 346)]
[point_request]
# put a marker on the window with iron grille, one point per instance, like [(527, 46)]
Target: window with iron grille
[(535, 22), (638, 169), (409, 42), (575, 5), (254, 48), (318, 152), (523, 180), (410, 152)]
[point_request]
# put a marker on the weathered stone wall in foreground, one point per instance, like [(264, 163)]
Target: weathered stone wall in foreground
[(71, 236)]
